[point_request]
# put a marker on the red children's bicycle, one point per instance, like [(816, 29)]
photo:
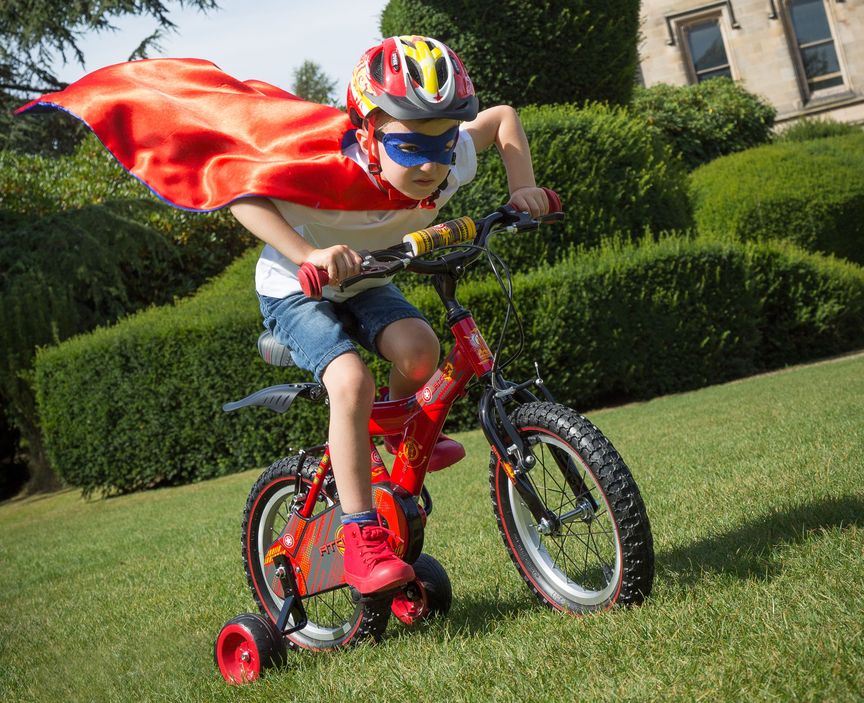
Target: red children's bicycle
[(568, 509)]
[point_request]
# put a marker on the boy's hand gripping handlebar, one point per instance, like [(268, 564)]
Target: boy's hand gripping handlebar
[(450, 233)]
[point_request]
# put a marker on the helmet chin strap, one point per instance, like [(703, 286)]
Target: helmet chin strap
[(374, 169)]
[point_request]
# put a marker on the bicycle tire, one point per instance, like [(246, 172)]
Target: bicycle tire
[(335, 620), (616, 534)]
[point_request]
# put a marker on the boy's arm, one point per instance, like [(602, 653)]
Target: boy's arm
[(263, 219), (501, 126)]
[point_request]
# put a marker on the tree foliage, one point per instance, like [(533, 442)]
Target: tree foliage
[(707, 120), (311, 83), (532, 52), (35, 34)]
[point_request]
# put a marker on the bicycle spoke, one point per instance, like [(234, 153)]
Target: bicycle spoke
[(583, 550)]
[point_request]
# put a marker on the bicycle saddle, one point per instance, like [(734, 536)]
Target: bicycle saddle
[(272, 352)]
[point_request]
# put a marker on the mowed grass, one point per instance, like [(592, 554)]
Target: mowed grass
[(754, 490)]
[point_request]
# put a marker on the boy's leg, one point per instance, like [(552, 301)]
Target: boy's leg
[(369, 562), (413, 348), (351, 390), (319, 344)]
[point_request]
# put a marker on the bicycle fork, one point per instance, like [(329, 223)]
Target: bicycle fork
[(515, 457)]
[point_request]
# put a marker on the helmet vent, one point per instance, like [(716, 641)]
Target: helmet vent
[(376, 67), (441, 70), (414, 71)]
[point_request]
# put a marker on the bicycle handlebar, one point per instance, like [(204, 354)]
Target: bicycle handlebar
[(463, 230)]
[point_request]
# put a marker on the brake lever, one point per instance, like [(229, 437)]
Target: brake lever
[(373, 268)]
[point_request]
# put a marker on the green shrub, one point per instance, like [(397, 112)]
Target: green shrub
[(83, 243), (614, 176), (810, 193), (34, 186), (532, 53), (706, 120), (138, 405), (63, 274), (816, 128)]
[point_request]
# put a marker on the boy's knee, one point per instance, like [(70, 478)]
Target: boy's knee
[(419, 356)]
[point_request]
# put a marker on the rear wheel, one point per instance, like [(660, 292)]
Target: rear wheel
[(598, 550), (334, 619)]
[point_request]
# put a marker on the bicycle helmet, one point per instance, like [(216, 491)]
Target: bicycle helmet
[(411, 78)]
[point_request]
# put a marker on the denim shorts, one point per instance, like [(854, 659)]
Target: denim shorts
[(317, 331)]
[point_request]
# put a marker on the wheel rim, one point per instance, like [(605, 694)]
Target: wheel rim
[(332, 615), (237, 655), (582, 561)]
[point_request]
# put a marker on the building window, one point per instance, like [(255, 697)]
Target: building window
[(815, 44), (706, 49)]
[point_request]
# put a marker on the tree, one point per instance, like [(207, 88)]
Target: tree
[(34, 34), (532, 52), (311, 83)]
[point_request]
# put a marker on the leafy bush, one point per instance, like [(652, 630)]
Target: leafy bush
[(810, 193), (614, 176), (82, 243), (706, 120), (816, 128), (138, 405), (517, 56)]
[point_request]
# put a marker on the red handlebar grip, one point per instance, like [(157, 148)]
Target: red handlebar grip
[(312, 280), (554, 200)]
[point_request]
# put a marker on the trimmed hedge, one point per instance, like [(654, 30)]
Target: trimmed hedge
[(517, 56), (615, 177), (810, 193), (705, 120), (815, 128), (138, 405)]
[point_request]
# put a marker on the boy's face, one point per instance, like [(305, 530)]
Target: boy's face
[(407, 151)]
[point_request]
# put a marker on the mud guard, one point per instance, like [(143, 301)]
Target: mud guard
[(279, 398)]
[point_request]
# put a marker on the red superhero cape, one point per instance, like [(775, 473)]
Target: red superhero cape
[(199, 138)]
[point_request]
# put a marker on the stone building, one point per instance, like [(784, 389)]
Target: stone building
[(804, 56)]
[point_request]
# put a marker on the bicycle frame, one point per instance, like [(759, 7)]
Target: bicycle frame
[(419, 418)]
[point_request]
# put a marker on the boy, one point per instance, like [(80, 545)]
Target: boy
[(407, 98), (315, 188)]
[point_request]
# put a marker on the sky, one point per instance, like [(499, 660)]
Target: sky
[(265, 39)]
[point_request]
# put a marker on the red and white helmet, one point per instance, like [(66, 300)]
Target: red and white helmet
[(411, 78)]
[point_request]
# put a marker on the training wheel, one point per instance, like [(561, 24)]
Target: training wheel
[(429, 595), (246, 646)]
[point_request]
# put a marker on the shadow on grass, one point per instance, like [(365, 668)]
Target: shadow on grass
[(746, 552)]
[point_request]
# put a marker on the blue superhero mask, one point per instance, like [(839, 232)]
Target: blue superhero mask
[(412, 148)]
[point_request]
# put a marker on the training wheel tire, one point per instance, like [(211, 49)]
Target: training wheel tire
[(246, 646), (428, 596)]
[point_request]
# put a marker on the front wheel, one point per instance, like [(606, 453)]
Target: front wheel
[(598, 550)]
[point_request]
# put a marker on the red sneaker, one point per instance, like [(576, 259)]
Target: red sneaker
[(370, 564), (446, 452)]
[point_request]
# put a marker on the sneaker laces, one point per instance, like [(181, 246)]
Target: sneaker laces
[(374, 547)]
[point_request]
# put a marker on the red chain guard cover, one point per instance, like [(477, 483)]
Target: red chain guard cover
[(314, 546)]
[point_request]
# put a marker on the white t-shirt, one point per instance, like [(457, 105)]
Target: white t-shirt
[(276, 275)]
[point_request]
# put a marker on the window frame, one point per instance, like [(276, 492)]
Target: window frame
[(808, 94), (684, 28)]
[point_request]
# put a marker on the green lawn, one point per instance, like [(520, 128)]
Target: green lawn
[(754, 490)]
